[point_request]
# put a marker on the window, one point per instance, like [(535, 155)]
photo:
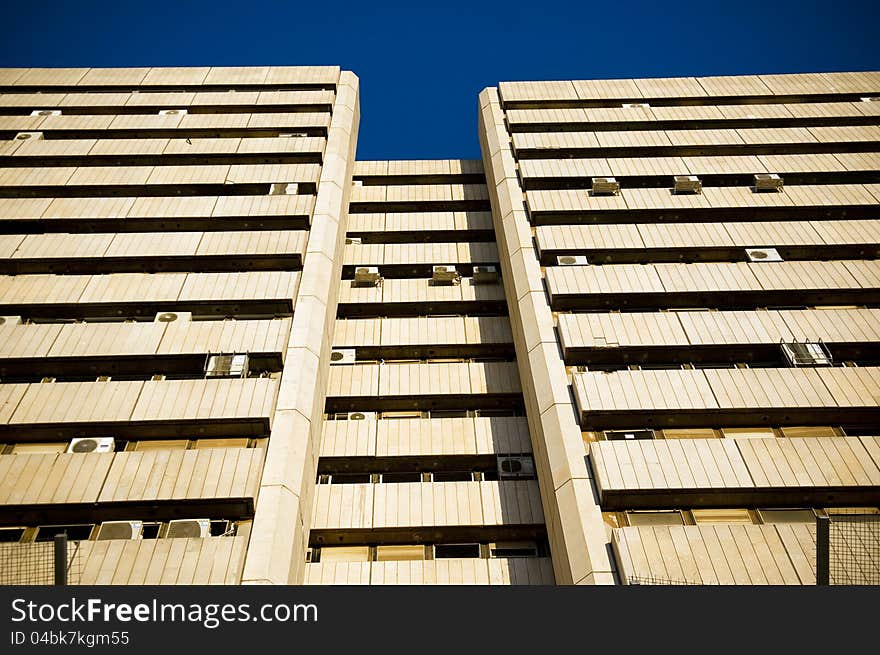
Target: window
[(721, 516), (787, 515), (11, 535), (392, 478), (400, 553), (449, 413), (150, 530), (655, 517), (39, 448), (162, 444), (453, 476), (396, 415), (818, 431), (513, 549), (202, 444), (748, 433), (628, 435), (73, 532), (222, 528), (456, 551), (350, 478), (345, 554), (693, 433)]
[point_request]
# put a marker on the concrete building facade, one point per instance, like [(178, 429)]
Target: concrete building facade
[(691, 267), (173, 304), (637, 341)]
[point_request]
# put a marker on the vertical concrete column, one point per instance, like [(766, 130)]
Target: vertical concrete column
[(279, 537), (574, 521)]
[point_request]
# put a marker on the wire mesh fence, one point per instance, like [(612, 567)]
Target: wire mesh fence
[(34, 564), (848, 548), (648, 580)]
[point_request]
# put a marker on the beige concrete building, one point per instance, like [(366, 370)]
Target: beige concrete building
[(425, 472), (691, 272), (638, 341), (171, 242)]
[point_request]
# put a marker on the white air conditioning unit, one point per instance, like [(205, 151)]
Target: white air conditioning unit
[(343, 356), (46, 112), (171, 317), (870, 99), (485, 274), (289, 135), (444, 275), (763, 255), (226, 365), (120, 530), (687, 184), (284, 189), (636, 105), (515, 467), (92, 445), (366, 276), (198, 528), (361, 416), (353, 241), (571, 260), (10, 320), (808, 353), (767, 182), (172, 112), (604, 186), (29, 136), (628, 435)]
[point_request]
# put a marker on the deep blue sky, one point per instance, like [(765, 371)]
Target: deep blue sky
[(422, 66)]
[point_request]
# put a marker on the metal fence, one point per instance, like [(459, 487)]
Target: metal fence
[(648, 580), (41, 563), (848, 548)]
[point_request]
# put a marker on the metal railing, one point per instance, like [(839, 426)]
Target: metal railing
[(56, 562), (848, 548), (649, 580)]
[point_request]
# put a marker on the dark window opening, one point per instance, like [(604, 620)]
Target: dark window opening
[(221, 527), (74, 532), (350, 478), (453, 476), (401, 477), (150, 531), (11, 535), (457, 551)]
